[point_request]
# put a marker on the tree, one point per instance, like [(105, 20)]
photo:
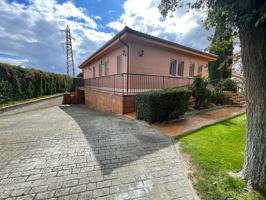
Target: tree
[(221, 45), (249, 18)]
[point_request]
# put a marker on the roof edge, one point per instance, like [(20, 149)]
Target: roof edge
[(147, 36), (105, 45)]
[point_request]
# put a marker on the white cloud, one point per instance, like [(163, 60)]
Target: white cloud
[(13, 61), (97, 17), (181, 26), (33, 32)]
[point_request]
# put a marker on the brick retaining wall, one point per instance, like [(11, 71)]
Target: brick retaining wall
[(110, 102)]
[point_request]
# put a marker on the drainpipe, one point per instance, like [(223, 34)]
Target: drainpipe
[(124, 43)]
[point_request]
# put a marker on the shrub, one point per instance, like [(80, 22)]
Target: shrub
[(229, 85), (162, 105), (200, 92), (218, 97), (17, 83)]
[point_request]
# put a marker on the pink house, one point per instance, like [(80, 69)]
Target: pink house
[(133, 62)]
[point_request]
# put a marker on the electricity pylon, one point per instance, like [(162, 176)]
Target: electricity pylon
[(69, 53)]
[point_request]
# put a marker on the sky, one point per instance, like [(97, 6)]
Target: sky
[(31, 30)]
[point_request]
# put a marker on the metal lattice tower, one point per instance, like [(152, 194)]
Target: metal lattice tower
[(69, 53)]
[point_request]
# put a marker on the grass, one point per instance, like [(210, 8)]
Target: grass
[(24, 101), (215, 151)]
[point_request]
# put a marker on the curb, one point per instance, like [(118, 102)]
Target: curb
[(193, 191), (20, 105)]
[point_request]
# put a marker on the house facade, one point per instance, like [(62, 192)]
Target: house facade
[(133, 62)]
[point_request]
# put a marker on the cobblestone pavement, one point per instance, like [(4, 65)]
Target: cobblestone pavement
[(72, 152)]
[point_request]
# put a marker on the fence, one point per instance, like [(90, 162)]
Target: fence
[(135, 83)]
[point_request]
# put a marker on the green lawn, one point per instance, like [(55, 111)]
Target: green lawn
[(214, 152), (24, 101)]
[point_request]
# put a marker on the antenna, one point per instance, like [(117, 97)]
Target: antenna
[(69, 53)]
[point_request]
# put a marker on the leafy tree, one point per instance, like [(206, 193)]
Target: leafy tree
[(221, 45), (249, 18)]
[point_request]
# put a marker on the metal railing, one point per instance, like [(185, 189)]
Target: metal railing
[(134, 83)]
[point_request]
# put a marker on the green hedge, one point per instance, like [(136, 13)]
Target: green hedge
[(17, 83), (162, 105)]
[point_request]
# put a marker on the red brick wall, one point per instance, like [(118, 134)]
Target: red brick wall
[(110, 102)]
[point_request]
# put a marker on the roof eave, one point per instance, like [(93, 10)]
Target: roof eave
[(211, 57)]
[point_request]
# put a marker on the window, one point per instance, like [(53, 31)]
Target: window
[(100, 70), (191, 70), (200, 69), (180, 71), (106, 68), (119, 64), (93, 72), (173, 67)]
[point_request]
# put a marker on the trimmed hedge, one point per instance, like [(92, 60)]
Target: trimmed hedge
[(17, 83), (161, 105)]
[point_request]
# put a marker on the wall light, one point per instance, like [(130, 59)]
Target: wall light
[(124, 53), (141, 52)]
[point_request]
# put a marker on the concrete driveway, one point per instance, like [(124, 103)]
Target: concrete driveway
[(72, 152)]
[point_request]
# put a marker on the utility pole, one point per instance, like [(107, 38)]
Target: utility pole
[(69, 53)]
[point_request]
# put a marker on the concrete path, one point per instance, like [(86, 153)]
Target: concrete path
[(72, 152), (194, 122)]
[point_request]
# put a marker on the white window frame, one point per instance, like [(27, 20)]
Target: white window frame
[(181, 64), (106, 68), (200, 69), (192, 72), (119, 60), (172, 68), (100, 70), (93, 72)]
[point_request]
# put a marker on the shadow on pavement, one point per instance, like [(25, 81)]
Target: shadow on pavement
[(115, 140)]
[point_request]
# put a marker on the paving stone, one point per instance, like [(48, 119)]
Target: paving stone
[(91, 186), (78, 189), (101, 192), (103, 184), (45, 195), (20, 192), (39, 189), (61, 192), (72, 152), (26, 197), (85, 195), (70, 183), (69, 197)]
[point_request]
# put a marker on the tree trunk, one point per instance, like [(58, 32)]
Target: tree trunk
[(253, 49)]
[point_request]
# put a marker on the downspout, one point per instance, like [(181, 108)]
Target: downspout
[(124, 43)]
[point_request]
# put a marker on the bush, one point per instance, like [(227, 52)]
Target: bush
[(229, 85), (200, 92), (218, 97), (162, 105), (17, 83)]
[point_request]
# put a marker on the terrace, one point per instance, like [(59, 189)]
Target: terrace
[(130, 84)]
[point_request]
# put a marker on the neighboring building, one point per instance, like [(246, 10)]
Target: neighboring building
[(133, 62)]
